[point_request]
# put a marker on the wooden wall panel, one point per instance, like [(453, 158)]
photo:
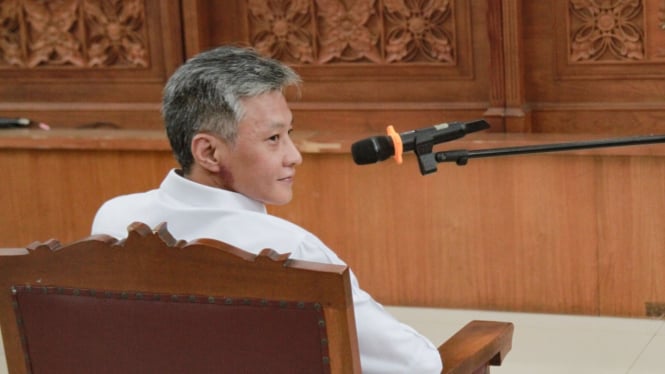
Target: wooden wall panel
[(71, 63), (539, 66), (601, 119), (631, 202), (56, 194), (545, 66), (595, 69), (576, 232), (490, 234), (573, 233), (445, 68)]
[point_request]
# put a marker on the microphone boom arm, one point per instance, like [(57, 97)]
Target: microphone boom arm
[(461, 156)]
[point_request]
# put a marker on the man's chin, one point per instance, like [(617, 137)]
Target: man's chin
[(279, 200)]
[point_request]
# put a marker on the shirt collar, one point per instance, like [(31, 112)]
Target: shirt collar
[(200, 195)]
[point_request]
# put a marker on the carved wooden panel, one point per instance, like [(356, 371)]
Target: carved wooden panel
[(595, 66), (72, 63), (330, 31), (606, 31), (73, 33), (617, 35), (365, 63), (344, 37), (660, 49)]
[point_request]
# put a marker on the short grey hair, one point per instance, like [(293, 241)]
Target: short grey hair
[(205, 93)]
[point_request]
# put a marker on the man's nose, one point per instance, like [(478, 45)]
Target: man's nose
[(293, 156)]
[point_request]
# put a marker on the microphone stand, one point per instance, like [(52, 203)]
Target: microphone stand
[(461, 157)]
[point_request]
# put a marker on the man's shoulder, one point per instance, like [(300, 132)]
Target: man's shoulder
[(271, 225), (112, 215), (131, 198), (278, 221)]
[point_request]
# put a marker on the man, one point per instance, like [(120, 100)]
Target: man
[(229, 125)]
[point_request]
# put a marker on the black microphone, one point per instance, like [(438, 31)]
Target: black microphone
[(379, 148), (13, 122)]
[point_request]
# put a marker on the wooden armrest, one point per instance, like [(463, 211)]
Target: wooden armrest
[(476, 346), (13, 251)]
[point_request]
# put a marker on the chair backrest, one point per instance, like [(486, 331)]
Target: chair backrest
[(151, 304)]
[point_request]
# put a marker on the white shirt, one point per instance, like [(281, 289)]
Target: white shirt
[(192, 211)]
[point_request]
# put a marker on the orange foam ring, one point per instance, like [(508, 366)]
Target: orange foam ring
[(397, 143)]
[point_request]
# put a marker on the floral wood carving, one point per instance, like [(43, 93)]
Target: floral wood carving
[(418, 29), (354, 31), (606, 30), (74, 33)]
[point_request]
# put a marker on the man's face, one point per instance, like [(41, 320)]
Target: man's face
[(261, 164)]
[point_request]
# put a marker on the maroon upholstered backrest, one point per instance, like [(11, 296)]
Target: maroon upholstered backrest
[(95, 331), (151, 304)]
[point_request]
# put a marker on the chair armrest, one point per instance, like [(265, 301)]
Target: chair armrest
[(13, 251), (476, 346)]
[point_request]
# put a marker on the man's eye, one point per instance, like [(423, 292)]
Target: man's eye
[(274, 138)]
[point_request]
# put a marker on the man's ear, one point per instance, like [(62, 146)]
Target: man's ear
[(207, 151)]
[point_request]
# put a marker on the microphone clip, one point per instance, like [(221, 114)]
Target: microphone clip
[(424, 142)]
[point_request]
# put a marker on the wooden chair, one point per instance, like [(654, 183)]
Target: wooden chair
[(152, 304)]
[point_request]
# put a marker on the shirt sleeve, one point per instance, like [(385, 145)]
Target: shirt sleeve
[(386, 345), (109, 221)]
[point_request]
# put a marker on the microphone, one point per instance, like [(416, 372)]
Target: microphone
[(379, 148), (13, 122)]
